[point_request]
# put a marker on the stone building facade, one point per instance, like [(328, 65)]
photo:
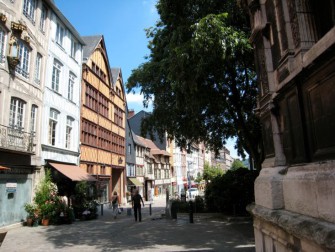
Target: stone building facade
[(24, 37), (294, 44)]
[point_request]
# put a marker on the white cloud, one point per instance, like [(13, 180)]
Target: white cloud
[(135, 102), (137, 98)]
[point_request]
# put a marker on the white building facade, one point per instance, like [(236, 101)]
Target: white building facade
[(61, 104)]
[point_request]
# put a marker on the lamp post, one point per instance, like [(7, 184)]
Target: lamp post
[(189, 191)]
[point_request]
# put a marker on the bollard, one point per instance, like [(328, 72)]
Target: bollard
[(191, 211), (150, 208), (102, 209)]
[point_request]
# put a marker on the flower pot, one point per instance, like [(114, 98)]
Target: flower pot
[(29, 222), (45, 222)]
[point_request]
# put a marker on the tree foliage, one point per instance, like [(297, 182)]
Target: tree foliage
[(231, 192), (237, 164), (200, 75), (211, 172)]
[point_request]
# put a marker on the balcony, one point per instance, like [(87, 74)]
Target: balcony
[(16, 140)]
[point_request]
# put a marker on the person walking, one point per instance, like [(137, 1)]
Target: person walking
[(115, 204), (136, 205)]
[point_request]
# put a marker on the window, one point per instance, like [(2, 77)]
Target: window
[(2, 45), (38, 61), (167, 174), (74, 46), (103, 105), (33, 115), (131, 170), (99, 72), (139, 170), (118, 144), (44, 13), (89, 133), (129, 148), (89, 168), (52, 126), (29, 7), (149, 168), (104, 140), (24, 53), (56, 75), (118, 116), (103, 170), (16, 113), (69, 125), (70, 87), (91, 97), (324, 16), (60, 32)]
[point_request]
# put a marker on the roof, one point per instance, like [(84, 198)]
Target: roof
[(115, 73), (138, 140), (91, 43), (154, 150)]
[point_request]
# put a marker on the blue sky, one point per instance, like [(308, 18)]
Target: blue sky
[(123, 24)]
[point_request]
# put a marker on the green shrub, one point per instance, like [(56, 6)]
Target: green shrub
[(84, 202), (231, 192)]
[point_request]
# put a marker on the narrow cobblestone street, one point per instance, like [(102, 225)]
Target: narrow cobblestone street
[(154, 233)]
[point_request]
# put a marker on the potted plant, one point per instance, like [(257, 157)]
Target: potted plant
[(30, 208), (46, 198), (48, 210)]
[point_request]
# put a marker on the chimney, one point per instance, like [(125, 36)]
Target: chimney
[(131, 113)]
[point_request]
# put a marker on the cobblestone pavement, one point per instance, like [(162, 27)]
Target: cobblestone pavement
[(155, 233)]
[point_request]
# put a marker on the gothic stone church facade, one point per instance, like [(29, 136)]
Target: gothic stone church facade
[(294, 44)]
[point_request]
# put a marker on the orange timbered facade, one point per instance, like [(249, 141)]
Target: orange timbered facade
[(102, 121)]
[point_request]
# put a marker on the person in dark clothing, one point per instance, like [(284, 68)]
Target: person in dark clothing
[(136, 205)]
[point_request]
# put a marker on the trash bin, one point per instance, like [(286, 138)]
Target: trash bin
[(128, 211)]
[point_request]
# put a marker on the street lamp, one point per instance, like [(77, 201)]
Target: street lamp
[(189, 191), (13, 59), (189, 177)]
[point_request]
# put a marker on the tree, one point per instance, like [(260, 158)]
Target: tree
[(200, 74), (237, 164), (211, 172)]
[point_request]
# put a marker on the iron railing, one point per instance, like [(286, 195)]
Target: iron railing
[(16, 139)]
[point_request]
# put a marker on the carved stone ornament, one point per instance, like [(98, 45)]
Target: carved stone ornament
[(13, 62), (19, 27), (3, 17), (27, 39)]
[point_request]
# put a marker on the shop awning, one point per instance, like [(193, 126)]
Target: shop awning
[(135, 182), (4, 168), (73, 172)]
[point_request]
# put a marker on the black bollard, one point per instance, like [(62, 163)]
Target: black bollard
[(102, 209), (150, 208), (191, 211)]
